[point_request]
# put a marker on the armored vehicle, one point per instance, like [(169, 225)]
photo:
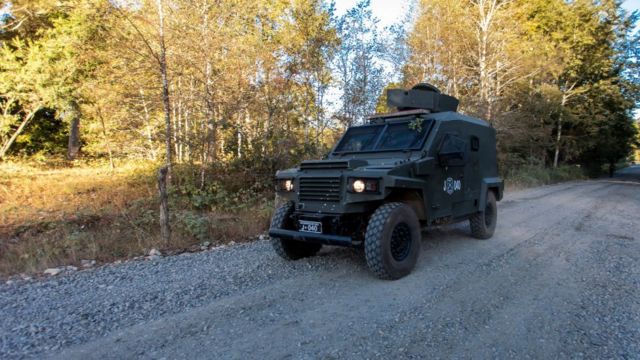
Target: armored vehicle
[(423, 165)]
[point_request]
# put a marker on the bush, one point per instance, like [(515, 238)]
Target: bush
[(227, 190), (59, 215), (537, 175), (194, 224)]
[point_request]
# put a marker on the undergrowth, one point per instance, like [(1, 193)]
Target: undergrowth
[(57, 215), (536, 175)]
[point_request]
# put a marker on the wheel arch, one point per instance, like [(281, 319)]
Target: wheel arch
[(494, 184), (414, 198)]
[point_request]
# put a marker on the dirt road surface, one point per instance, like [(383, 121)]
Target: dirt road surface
[(560, 279)]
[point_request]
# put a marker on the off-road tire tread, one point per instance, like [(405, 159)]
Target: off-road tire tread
[(373, 236), (290, 249), (476, 222)]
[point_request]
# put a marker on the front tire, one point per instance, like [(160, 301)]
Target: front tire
[(290, 249), (483, 223), (392, 241)]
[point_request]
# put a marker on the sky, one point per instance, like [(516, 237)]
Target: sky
[(631, 5), (388, 11)]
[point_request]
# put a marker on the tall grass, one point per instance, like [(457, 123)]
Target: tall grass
[(537, 175), (52, 216)]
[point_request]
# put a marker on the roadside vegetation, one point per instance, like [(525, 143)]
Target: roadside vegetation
[(88, 211), (53, 216), (536, 175), (97, 95)]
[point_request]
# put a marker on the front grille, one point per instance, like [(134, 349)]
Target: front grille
[(320, 189), (314, 165)]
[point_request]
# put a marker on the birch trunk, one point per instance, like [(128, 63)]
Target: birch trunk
[(7, 145), (147, 119), (556, 155)]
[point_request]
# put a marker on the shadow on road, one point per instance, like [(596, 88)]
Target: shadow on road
[(631, 173)]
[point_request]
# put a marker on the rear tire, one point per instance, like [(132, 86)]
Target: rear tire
[(483, 223), (290, 249), (392, 241)]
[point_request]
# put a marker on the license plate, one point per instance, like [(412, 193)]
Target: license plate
[(311, 226)]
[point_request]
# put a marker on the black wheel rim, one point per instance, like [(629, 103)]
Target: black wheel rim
[(400, 242), (488, 214)]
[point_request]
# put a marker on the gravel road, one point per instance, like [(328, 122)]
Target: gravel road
[(560, 279)]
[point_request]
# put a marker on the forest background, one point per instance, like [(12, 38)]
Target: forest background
[(96, 95)]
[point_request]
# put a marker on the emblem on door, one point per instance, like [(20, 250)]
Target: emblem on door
[(451, 185)]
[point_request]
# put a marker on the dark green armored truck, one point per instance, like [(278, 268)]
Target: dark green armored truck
[(424, 165)]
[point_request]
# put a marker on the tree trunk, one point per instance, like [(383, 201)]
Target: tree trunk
[(106, 139), (612, 169), (165, 228), (239, 143), (556, 156), (73, 114), (73, 147), (7, 145), (165, 91), (147, 120)]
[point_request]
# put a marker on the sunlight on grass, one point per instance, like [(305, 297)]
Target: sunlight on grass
[(59, 216)]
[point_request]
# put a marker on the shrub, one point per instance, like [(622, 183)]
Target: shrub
[(536, 175)]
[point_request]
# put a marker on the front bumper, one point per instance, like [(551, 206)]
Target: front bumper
[(326, 239)]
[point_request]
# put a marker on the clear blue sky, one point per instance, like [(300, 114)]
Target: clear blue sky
[(631, 5)]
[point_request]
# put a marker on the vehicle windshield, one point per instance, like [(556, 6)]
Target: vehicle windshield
[(406, 135)]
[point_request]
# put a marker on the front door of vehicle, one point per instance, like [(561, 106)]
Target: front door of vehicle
[(473, 175), (448, 192)]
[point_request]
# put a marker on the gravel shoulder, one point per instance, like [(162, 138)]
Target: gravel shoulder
[(560, 279)]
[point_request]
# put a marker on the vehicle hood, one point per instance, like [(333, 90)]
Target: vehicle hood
[(387, 163)]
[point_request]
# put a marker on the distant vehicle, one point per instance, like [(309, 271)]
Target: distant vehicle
[(424, 165)]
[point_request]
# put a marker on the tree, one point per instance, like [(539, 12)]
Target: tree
[(41, 65), (531, 68), (360, 73), (470, 49), (635, 157), (166, 101)]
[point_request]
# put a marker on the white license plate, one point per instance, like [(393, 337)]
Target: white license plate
[(311, 226)]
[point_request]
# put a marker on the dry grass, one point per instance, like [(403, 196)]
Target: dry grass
[(52, 217), (31, 195), (534, 175)]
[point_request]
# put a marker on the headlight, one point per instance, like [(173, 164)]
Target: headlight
[(358, 186), (288, 185), (363, 185), (285, 185)]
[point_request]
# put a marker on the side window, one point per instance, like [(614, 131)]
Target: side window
[(475, 143), (453, 150), (452, 143)]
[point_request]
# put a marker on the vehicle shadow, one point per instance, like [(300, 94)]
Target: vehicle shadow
[(445, 238)]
